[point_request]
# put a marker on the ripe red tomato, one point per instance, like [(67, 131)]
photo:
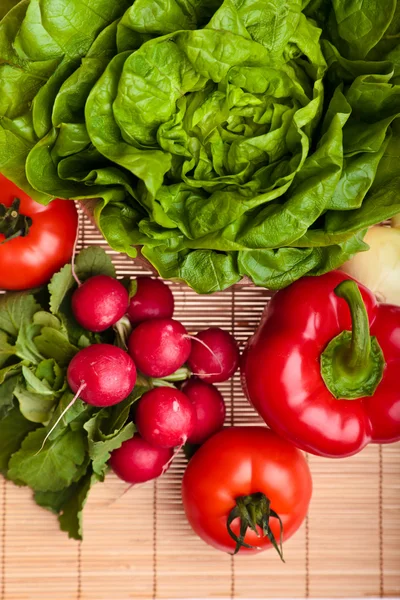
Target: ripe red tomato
[(29, 261), (236, 473)]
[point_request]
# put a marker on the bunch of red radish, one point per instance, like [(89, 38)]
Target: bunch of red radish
[(158, 347)]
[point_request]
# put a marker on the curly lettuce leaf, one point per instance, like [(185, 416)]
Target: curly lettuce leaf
[(201, 130)]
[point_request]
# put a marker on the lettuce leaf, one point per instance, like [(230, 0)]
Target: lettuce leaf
[(223, 137)]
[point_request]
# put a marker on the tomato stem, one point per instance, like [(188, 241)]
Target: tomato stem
[(12, 223), (254, 512)]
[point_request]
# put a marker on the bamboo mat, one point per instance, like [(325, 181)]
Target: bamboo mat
[(138, 544)]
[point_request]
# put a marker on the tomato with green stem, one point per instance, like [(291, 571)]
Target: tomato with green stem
[(35, 240), (246, 489)]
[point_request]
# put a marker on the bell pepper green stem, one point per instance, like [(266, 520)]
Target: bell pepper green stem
[(357, 356), (352, 364)]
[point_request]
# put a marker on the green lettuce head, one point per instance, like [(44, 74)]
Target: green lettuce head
[(244, 137)]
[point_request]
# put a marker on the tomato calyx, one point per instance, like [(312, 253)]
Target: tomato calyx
[(254, 510), (12, 223)]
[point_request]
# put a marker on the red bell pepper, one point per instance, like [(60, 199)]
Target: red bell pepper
[(323, 368)]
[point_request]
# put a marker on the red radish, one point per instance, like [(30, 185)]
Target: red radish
[(165, 417), (159, 347), (101, 375), (137, 461), (104, 374), (99, 303), (209, 406), (152, 300), (216, 357)]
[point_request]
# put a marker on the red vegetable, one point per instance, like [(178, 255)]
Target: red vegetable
[(244, 479), (165, 417), (102, 374), (209, 408), (159, 347), (35, 240), (137, 461), (99, 303), (329, 391), (216, 357), (152, 300)]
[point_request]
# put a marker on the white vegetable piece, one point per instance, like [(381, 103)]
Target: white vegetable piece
[(379, 267)]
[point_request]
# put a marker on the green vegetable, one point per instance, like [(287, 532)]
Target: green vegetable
[(38, 338), (101, 445), (34, 406), (227, 138), (69, 504), (54, 467), (8, 388), (6, 350), (13, 430)]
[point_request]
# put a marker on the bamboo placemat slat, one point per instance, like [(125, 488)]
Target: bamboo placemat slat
[(139, 545)]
